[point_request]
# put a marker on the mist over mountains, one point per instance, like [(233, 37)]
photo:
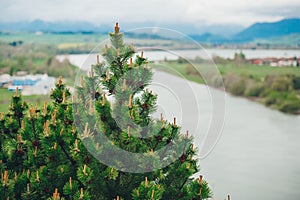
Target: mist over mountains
[(283, 28), (267, 30), (218, 33), (82, 26)]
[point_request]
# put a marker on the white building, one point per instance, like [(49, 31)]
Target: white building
[(5, 79), (31, 84), (43, 86)]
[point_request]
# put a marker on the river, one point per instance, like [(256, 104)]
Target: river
[(258, 153), (190, 54)]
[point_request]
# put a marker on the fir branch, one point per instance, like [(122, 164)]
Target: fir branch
[(34, 130), (184, 182), (73, 162)]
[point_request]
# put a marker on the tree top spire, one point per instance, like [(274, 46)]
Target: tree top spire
[(117, 28)]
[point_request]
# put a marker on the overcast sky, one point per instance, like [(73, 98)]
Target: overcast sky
[(242, 12)]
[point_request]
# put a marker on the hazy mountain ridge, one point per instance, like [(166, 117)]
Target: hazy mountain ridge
[(40, 25), (266, 31), (211, 38), (215, 34), (79, 26)]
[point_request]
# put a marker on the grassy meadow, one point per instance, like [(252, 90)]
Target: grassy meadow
[(5, 99)]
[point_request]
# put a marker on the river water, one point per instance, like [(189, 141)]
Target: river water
[(258, 153), (190, 54)]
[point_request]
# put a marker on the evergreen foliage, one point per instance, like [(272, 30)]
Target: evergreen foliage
[(53, 152)]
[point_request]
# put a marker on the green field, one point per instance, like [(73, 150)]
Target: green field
[(53, 39), (257, 71), (245, 70), (5, 99), (84, 43)]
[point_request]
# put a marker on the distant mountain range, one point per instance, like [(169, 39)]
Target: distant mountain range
[(202, 33), (81, 26), (267, 30), (283, 28), (40, 25)]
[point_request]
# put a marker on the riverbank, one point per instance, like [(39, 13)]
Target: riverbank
[(275, 87)]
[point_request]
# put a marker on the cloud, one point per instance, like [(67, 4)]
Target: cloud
[(241, 11), (191, 11)]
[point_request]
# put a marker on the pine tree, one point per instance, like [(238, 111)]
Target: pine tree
[(56, 152)]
